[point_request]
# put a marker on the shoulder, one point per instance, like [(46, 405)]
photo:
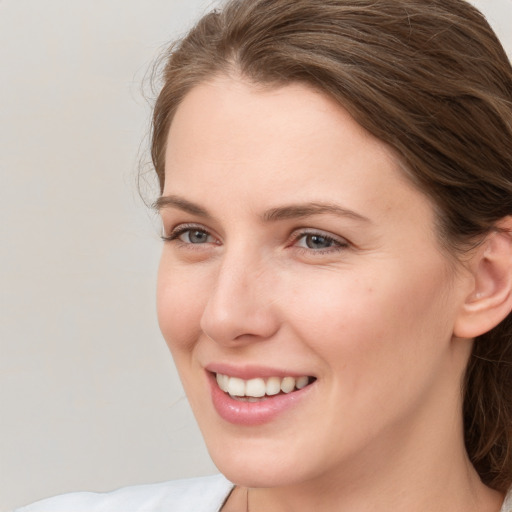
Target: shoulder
[(204, 494)]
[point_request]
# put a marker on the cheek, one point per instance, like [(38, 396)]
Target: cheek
[(375, 325), (179, 307), (374, 338)]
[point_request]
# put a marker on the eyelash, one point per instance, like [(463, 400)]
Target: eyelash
[(182, 229), (339, 244)]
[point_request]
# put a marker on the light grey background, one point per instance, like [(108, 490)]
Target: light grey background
[(89, 398)]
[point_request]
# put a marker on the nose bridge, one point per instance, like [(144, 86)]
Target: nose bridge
[(239, 305)]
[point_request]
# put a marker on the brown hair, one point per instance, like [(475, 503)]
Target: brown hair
[(430, 79)]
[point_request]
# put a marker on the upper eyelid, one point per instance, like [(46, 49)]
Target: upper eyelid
[(181, 228), (299, 233), (186, 227)]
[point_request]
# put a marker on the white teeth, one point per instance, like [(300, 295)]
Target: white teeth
[(257, 388), (222, 381), (287, 384), (301, 382), (236, 387), (273, 386)]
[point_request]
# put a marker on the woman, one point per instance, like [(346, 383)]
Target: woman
[(336, 277)]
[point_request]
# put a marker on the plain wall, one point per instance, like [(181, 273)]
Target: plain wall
[(88, 394)]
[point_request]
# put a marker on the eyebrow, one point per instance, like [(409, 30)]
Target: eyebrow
[(308, 209), (181, 204), (294, 211)]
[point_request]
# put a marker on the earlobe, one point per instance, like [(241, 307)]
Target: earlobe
[(490, 298)]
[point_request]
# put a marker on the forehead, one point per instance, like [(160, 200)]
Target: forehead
[(241, 103), (228, 119), (290, 143)]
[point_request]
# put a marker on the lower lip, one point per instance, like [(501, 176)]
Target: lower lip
[(253, 413)]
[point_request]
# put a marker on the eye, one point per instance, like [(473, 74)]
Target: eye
[(190, 235), (195, 236), (315, 241), (319, 242)]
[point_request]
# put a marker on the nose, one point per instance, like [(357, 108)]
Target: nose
[(241, 308)]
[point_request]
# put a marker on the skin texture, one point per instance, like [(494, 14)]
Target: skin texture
[(370, 314)]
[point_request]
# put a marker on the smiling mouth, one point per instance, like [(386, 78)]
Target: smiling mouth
[(255, 390)]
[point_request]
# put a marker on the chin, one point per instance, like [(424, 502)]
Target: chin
[(266, 475), (258, 463)]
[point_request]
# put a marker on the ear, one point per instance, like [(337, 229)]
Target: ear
[(490, 297)]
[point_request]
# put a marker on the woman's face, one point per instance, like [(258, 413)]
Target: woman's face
[(297, 254)]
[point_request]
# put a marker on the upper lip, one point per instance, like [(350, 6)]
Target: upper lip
[(247, 372)]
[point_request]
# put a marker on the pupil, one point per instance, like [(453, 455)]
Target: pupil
[(197, 237), (317, 242)]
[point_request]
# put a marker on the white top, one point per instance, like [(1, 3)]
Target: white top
[(206, 494), (507, 506)]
